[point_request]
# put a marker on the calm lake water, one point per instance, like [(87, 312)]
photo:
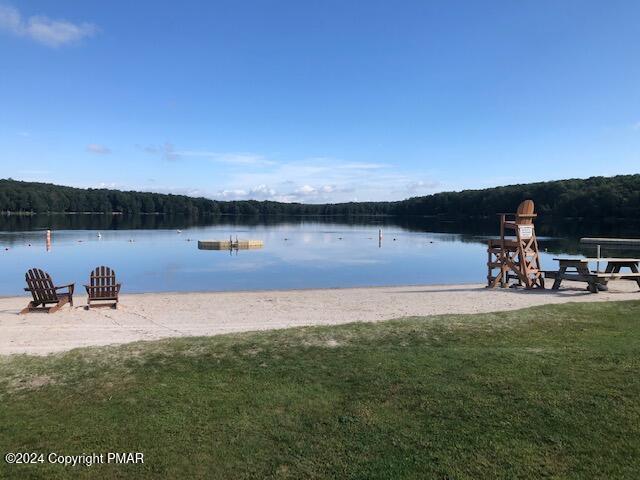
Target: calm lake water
[(150, 255)]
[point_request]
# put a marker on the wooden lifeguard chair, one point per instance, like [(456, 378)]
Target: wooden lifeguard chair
[(515, 254)]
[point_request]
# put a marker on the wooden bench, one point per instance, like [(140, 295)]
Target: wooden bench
[(594, 283), (595, 280)]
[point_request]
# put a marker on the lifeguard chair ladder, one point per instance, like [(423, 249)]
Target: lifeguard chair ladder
[(515, 254)]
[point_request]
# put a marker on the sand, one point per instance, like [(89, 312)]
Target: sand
[(152, 316)]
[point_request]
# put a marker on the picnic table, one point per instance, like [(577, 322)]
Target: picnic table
[(596, 280)]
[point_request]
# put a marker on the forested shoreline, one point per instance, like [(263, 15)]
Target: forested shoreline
[(595, 197)]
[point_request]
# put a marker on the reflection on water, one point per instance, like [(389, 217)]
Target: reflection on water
[(158, 253)]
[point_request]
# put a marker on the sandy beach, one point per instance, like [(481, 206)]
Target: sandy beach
[(153, 316)]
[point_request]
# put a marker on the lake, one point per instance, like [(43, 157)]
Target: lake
[(154, 253)]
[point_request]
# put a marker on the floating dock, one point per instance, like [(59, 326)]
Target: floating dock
[(612, 241), (229, 244)]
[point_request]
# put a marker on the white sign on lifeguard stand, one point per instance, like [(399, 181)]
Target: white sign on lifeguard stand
[(526, 231)]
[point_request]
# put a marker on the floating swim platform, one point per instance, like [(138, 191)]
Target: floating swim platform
[(229, 244), (612, 241)]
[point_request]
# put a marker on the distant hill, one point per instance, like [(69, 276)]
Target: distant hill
[(32, 197), (595, 197)]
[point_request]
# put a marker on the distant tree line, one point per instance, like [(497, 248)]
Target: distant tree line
[(595, 197), (30, 197)]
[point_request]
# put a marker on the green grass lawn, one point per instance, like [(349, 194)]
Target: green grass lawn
[(544, 392)]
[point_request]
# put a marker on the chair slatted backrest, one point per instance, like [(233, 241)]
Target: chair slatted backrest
[(103, 283), (41, 286), (524, 214)]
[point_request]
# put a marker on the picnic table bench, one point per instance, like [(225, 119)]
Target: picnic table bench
[(595, 280)]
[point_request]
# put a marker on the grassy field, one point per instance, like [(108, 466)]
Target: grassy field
[(544, 392)]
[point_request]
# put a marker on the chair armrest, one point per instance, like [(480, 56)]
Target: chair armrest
[(71, 287)]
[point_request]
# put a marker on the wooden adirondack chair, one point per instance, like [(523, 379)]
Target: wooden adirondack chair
[(516, 253), (103, 288), (41, 286)]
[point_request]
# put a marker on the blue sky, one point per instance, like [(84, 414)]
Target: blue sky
[(317, 101)]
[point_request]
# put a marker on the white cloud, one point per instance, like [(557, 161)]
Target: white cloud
[(44, 30), (165, 151), (107, 185), (319, 194), (311, 180), (10, 19), (262, 191), (287, 192), (232, 194), (363, 166), (421, 186), (169, 152), (230, 158), (324, 179), (306, 190), (98, 149)]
